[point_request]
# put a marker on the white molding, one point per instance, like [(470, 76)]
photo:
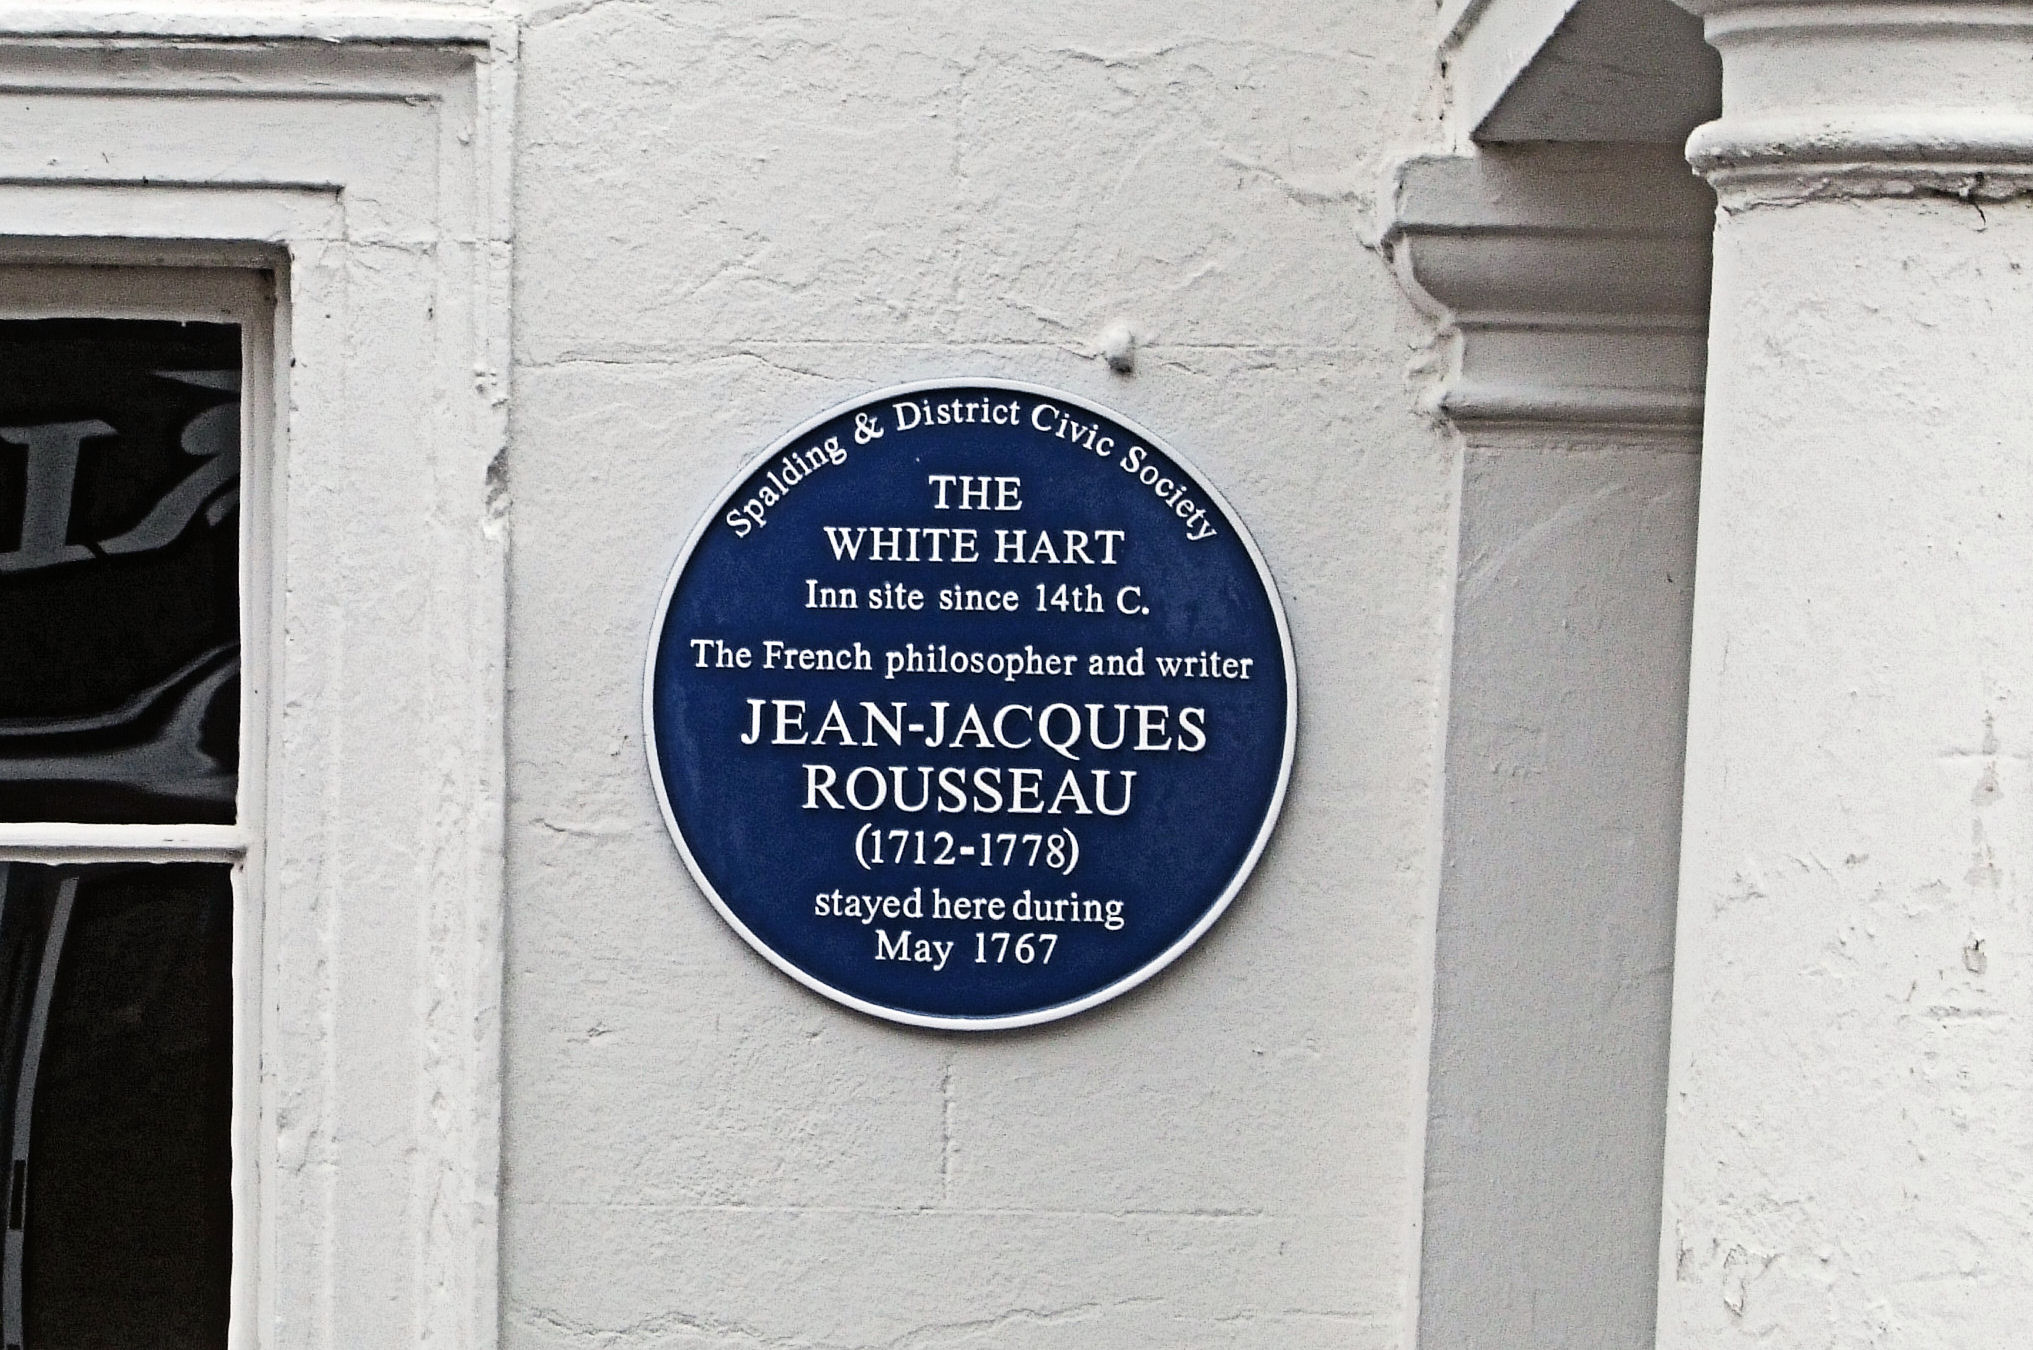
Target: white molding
[(261, 21), (1868, 98), (374, 183), (1966, 153), (64, 841), (1727, 18), (1573, 281)]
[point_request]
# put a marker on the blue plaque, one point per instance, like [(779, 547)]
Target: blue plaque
[(970, 704)]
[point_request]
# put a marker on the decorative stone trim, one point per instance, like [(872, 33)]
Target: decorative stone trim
[(1572, 278), (1970, 155), (1868, 98)]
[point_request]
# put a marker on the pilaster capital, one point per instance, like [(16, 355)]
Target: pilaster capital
[(1572, 280), (1848, 98)]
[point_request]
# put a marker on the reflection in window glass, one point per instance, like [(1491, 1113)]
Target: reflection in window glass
[(119, 539), (115, 1105)]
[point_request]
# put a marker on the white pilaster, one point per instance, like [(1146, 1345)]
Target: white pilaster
[(1573, 282), (1850, 1141)]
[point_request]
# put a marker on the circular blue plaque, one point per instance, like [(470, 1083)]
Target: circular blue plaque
[(970, 704)]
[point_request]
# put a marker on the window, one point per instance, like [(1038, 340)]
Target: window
[(131, 579), (116, 1101), (358, 155)]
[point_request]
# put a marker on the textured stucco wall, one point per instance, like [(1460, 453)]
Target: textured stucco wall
[(730, 216)]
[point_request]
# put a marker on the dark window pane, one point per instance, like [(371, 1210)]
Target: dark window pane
[(115, 1097), (119, 590)]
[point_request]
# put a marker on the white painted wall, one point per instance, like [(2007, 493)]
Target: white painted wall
[(730, 216)]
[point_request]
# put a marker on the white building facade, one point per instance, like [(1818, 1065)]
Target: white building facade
[(1628, 398)]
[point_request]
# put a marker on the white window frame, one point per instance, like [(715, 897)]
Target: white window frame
[(164, 162)]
